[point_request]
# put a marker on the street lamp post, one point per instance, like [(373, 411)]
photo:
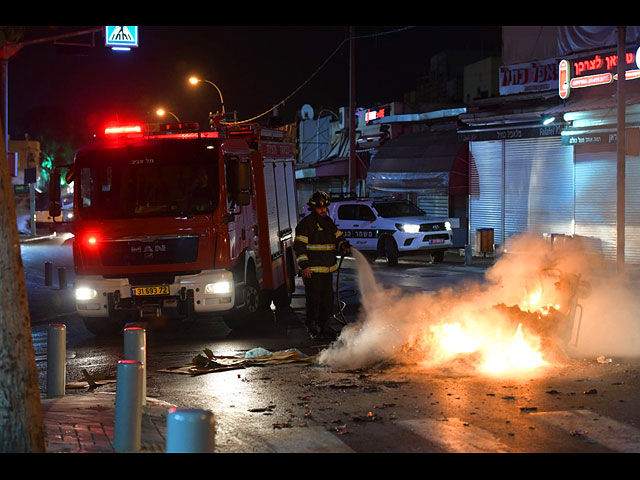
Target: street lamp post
[(161, 112), (196, 80)]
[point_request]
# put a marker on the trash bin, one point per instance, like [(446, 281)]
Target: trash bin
[(484, 240)]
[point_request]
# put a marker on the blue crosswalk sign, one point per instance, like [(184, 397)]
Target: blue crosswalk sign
[(121, 36)]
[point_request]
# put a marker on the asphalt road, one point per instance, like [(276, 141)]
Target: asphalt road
[(577, 406)]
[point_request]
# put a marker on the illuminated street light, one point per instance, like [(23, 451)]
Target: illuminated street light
[(161, 112), (196, 80)]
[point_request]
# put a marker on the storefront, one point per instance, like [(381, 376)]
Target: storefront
[(521, 178), (593, 135), (560, 178), (430, 169), (331, 176)]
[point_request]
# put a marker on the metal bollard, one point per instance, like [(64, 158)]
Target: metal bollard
[(468, 255), (190, 431), (48, 274), (127, 430), (62, 277), (135, 348), (56, 360)]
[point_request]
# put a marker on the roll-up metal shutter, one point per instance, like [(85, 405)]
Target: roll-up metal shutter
[(284, 226), (596, 199), (306, 188), (632, 210), (436, 206), (596, 202), (272, 207), (538, 186), (292, 202), (486, 178)]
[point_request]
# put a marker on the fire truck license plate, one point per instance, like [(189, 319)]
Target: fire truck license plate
[(161, 290)]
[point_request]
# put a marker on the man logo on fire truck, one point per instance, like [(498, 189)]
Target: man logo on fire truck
[(201, 230)]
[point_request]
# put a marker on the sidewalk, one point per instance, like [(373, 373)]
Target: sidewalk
[(84, 423)]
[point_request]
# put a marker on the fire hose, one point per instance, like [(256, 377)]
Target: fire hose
[(339, 317), (341, 304)]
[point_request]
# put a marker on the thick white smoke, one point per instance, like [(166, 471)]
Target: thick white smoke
[(412, 329)]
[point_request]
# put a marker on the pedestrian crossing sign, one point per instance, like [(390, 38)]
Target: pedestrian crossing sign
[(126, 36)]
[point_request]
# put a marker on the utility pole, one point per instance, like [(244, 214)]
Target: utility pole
[(621, 150), (352, 110)]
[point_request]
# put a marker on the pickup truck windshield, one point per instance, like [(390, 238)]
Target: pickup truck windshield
[(397, 209), (172, 179)]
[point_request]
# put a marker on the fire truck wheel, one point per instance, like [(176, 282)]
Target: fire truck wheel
[(249, 314), (391, 251), (103, 327)]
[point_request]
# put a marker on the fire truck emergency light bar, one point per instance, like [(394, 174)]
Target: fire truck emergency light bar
[(122, 130), (169, 130)]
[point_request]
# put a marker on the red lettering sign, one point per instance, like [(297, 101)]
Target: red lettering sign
[(596, 63)]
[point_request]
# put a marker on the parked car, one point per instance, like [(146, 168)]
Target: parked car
[(391, 228)]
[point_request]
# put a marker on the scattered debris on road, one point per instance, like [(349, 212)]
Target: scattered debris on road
[(207, 363), (91, 381), (528, 409)]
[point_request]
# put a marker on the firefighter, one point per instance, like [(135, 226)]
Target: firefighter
[(316, 243)]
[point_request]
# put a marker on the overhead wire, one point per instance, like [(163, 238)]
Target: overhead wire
[(358, 37)]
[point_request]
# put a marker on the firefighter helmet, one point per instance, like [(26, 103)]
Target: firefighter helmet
[(319, 199)]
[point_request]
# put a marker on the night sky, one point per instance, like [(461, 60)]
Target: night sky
[(255, 67)]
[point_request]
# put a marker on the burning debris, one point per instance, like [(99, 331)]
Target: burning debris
[(524, 316)]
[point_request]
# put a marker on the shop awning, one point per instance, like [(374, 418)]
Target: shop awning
[(591, 103), (336, 167), (426, 163)]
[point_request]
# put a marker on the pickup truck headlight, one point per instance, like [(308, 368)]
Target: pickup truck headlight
[(447, 225), (408, 227), (218, 288)]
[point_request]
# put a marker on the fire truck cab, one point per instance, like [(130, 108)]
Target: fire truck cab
[(179, 223)]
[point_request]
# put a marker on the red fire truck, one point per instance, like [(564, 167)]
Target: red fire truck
[(181, 224)]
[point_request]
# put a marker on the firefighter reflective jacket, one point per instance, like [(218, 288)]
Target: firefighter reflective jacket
[(316, 243)]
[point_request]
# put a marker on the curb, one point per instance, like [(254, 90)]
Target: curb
[(84, 423)]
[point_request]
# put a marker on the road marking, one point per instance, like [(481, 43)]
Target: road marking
[(455, 436), (306, 440), (589, 425)]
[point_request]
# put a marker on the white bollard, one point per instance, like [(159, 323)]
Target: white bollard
[(56, 360), (128, 414), (190, 431), (135, 348)]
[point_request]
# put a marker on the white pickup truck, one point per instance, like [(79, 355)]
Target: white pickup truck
[(391, 228)]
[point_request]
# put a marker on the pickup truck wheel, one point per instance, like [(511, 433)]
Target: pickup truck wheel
[(391, 251), (370, 255), (103, 327), (437, 256)]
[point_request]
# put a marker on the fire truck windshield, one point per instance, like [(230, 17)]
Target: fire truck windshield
[(170, 179)]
